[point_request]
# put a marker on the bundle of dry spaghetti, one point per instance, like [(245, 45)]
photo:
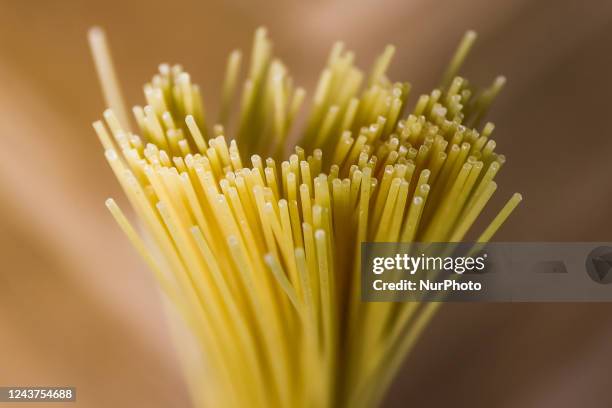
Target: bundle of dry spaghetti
[(257, 244)]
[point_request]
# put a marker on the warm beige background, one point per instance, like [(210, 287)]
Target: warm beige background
[(78, 307)]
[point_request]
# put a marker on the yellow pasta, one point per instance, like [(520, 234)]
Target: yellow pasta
[(257, 242)]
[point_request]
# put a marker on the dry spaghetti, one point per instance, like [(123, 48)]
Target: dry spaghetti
[(258, 247)]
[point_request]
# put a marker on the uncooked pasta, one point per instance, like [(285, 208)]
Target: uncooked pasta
[(255, 239)]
